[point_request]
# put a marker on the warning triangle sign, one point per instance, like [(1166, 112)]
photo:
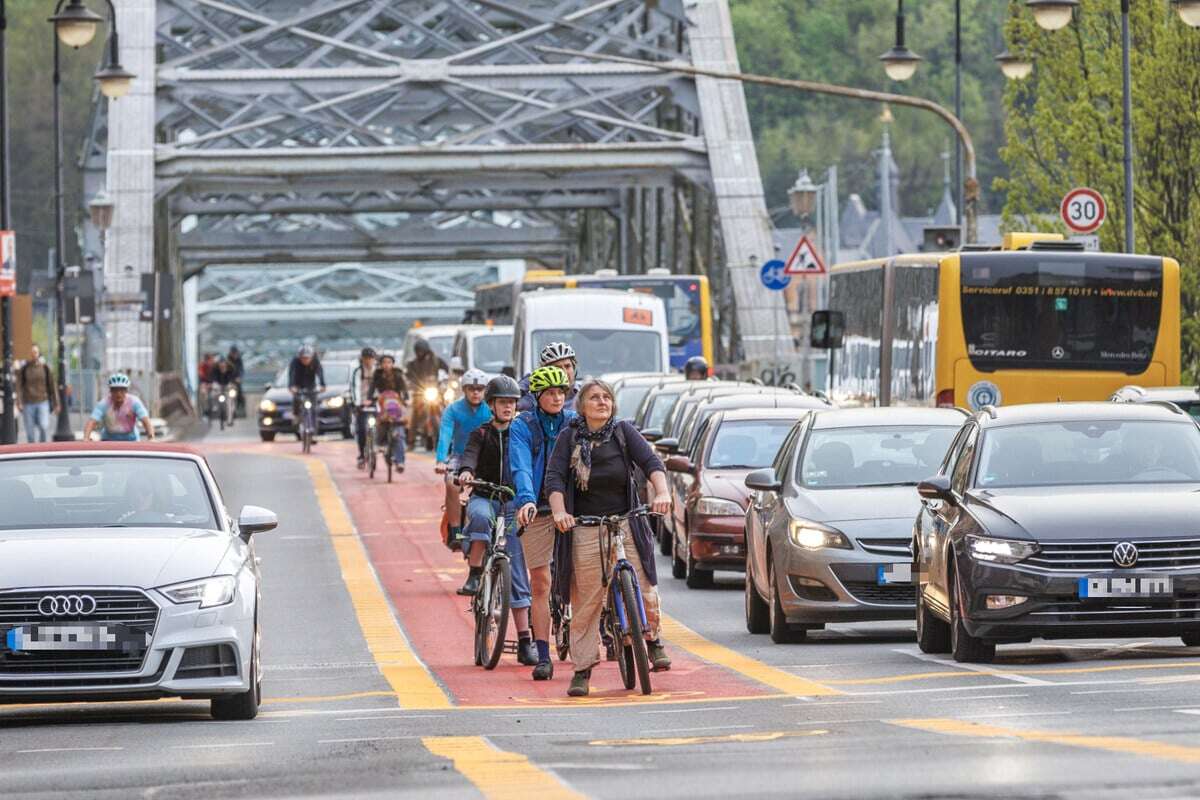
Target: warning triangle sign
[(804, 260)]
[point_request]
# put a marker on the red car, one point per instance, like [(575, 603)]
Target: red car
[(709, 530)]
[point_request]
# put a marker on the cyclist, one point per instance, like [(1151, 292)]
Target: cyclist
[(696, 369), (555, 354), (239, 371), (304, 374), (591, 473), (533, 435), (360, 389), (486, 458), (461, 417), (118, 415), (389, 391)]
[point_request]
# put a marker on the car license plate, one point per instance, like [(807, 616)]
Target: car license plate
[(1125, 586), (32, 638), (887, 574)]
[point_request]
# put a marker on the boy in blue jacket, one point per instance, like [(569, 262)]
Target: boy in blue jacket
[(464, 415)]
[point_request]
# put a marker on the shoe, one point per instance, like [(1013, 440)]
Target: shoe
[(610, 652), (362, 462), (399, 468), (471, 587), (658, 657), (544, 671), (579, 684), (527, 652)]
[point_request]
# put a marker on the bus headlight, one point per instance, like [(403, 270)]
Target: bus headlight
[(430, 394)]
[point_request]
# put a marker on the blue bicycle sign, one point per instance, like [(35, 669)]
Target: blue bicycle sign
[(773, 276)]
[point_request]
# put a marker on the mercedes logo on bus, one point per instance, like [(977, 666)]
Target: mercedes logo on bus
[(1125, 554), (67, 605)]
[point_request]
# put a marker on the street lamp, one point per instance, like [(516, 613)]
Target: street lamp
[(76, 24), (803, 195), (115, 81), (1189, 11), (1014, 67), (1051, 15), (900, 63)]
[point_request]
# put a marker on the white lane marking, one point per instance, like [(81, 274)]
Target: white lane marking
[(691, 710), (1008, 676), (1120, 691), (384, 716), (703, 728), (980, 697), (68, 750), (834, 703), (1019, 714), (1195, 711), (1175, 707), (218, 745), (528, 715), (367, 739)]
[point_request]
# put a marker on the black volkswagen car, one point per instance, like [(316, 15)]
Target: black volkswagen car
[(1063, 520)]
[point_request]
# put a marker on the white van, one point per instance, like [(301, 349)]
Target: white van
[(610, 330), (485, 347), (439, 337)]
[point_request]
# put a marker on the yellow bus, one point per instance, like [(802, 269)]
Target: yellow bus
[(686, 297), (1036, 319)]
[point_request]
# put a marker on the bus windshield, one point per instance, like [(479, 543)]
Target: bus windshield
[(604, 350), (1061, 310), (681, 296)]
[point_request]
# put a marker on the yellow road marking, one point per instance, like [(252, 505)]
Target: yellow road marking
[(778, 679), (917, 676), (682, 741), (498, 774), (327, 698), (410, 679), (1111, 744)]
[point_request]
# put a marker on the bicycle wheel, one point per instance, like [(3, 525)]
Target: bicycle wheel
[(610, 625), (371, 463), (637, 644), (480, 605), (388, 459), (562, 632), (497, 623)]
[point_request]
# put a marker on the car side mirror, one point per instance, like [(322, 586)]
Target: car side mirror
[(254, 520), (679, 463), (652, 434), (763, 480), (669, 446), (936, 488)]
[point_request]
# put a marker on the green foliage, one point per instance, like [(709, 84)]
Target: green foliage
[(1064, 129), (840, 41)]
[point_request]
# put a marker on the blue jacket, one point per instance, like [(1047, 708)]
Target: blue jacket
[(458, 420), (528, 452)]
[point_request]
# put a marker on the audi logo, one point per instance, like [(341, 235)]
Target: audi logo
[(64, 605), (1125, 554)]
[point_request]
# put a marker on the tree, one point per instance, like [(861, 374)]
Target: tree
[(1064, 129)]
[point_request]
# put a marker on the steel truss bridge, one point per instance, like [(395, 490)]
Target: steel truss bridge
[(317, 161)]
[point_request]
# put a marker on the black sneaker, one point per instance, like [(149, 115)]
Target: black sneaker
[(579, 684), (471, 587), (544, 671), (527, 652), (659, 659)]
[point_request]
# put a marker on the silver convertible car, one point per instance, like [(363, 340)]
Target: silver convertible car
[(122, 576)]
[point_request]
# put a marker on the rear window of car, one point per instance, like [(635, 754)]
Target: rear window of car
[(747, 444), (843, 458), (104, 491)]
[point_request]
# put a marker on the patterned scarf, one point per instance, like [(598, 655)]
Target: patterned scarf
[(585, 440)]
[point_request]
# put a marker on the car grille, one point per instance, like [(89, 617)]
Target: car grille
[(1142, 611), (887, 547), (888, 595), (132, 609), (1088, 556)]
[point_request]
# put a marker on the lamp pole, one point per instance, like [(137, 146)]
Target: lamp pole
[(1127, 125), (8, 423), (958, 156), (62, 431)]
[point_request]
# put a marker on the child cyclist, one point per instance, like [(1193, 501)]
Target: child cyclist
[(458, 421), (486, 458)]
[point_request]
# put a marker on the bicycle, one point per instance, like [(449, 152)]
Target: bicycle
[(560, 626), (622, 593), (306, 423), (394, 432), (229, 407), (369, 454), (491, 604)]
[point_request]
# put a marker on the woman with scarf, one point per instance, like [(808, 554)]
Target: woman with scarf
[(591, 472)]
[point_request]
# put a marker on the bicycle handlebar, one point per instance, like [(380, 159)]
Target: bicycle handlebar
[(596, 522), (491, 488)]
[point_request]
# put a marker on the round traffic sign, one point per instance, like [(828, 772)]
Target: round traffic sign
[(773, 276), (1083, 210)]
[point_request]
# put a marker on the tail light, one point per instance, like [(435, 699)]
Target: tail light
[(945, 398)]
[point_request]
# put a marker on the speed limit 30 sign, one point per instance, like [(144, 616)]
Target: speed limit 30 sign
[(1083, 210)]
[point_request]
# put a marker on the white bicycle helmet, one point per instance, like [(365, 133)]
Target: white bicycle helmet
[(118, 381), (556, 351), (473, 377)]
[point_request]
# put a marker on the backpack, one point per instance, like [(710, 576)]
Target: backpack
[(391, 409)]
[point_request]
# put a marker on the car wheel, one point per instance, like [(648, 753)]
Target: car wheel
[(1191, 638), (267, 436), (696, 578), (664, 539), (963, 646), (347, 427), (678, 565), (241, 706), (777, 624), (933, 635), (758, 616)]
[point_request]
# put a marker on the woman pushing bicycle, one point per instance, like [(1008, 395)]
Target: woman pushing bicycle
[(590, 474)]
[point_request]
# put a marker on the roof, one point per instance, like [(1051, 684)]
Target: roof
[(792, 413), (131, 448), (1033, 413), (1140, 394), (642, 379), (765, 400), (434, 330), (891, 415)]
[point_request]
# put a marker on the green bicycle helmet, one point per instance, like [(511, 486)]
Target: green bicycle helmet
[(544, 378)]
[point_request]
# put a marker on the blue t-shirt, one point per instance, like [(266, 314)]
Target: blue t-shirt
[(119, 424)]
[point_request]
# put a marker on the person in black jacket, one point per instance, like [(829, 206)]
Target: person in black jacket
[(304, 374), (591, 473), (486, 458)]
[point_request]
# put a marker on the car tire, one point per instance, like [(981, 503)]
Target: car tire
[(933, 635), (758, 616), (777, 624), (244, 705), (1191, 639), (664, 540), (678, 565), (267, 436), (964, 647), (696, 578)]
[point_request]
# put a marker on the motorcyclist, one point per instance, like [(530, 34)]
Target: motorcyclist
[(423, 371), (304, 374), (555, 354), (360, 390), (696, 368), (390, 391), (486, 458), (460, 418)]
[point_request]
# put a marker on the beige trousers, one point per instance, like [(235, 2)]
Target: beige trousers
[(588, 594)]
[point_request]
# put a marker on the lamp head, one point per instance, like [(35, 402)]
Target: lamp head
[(1014, 67), (1051, 15), (76, 25)]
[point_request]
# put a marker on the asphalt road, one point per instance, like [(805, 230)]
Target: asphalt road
[(370, 692)]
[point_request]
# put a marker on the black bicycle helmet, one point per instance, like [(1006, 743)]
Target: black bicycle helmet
[(368, 352), (501, 386), (696, 364)]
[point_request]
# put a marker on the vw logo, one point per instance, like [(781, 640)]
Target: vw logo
[(1125, 554), (67, 605), (1058, 353)]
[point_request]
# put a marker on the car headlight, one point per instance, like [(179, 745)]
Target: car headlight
[(999, 551), (716, 507), (334, 403), (430, 394), (268, 406), (215, 591), (814, 537)]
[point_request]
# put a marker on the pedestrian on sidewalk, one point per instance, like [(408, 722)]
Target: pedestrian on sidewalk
[(37, 394)]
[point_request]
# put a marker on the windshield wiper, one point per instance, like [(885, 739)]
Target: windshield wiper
[(735, 466), (896, 483), (115, 525)]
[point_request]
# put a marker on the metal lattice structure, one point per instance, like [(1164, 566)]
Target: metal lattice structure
[(397, 131)]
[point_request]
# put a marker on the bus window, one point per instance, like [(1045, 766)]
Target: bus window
[(607, 350)]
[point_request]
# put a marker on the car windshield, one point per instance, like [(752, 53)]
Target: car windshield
[(1090, 452), (747, 444), (492, 353), (842, 458), (601, 351), (629, 398), (103, 491)]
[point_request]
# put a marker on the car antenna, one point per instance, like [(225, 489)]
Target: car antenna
[(990, 411)]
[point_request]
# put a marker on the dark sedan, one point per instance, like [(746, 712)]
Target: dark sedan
[(275, 408), (1064, 520)]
